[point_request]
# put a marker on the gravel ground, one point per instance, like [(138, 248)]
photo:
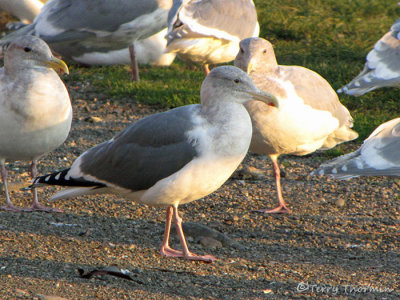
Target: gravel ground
[(341, 241)]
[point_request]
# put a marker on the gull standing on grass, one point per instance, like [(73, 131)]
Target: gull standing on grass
[(35, 108), (173, 157), (378, 155), (310, 116), (209, 31), (382, 68), (83, 30)]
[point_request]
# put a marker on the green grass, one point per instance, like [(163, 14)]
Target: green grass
[(331, 37)]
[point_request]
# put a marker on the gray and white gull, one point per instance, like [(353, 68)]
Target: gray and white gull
[(209, 31), (35, 108), (382, 68), (310, 116), (174, 157), (83, 30), (378, 156)]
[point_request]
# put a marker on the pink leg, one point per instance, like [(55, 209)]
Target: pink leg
[(281, 208), (134, 64), (165, 248), (36, 206), (9, 206), (206, 69)]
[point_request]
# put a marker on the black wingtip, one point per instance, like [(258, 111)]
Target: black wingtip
[(62, 178)]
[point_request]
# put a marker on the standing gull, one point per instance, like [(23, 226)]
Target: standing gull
[(382, 68), (209, 31), (378, 155), (310, 115), (35, 108), (83, 30), (174, 157)]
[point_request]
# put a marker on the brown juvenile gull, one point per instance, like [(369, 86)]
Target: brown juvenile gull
[(83, 30), (310, 115), (35, 108), (173, 157), (382, 68), (378, 155), (209, 31)]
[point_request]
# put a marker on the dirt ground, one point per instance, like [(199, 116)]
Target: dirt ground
[(341, 241)]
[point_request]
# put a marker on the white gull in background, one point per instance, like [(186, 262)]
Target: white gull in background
[(378, 155), (83, 30), (310, 116), (174, 157), (209, 31), (35, 108), (382, 68), (25, 10)]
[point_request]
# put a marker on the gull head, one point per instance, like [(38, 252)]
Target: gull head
[(228, 83), (255, 54), (29, 52)]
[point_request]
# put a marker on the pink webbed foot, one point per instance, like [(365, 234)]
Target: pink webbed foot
[(281, 209), (38, 207), (11, 207), (169, 252)]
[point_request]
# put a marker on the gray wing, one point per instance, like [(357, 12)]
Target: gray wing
[(145, 152), (382, 67), (227, 19), (379, 155), (101, 15), (75, 27)]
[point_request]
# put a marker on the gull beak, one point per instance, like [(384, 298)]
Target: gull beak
[(249, 67), (57, 64), (265, 97)]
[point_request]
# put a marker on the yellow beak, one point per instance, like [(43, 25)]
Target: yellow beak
[(265, 97), (58, 64)]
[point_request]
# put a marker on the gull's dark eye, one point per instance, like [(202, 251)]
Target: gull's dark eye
[(236, 81), (27, 49), (241, 50), (265, 51)]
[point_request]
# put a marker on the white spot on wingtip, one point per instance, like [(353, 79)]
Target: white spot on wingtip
[(344, 168), (57, 176), (334, 171), (67, 177), (321, 172), (47, 178)]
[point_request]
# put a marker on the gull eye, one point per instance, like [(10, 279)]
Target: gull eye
[(236, 81), (27, 49), (264, 51), (241, 50)]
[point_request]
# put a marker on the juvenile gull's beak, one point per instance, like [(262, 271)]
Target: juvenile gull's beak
[(265, 97), (57, 64)]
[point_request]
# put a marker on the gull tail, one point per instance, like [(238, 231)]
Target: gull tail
[(75, 186)]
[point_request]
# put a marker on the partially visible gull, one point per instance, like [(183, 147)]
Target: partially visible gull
[(378, 155), (83, 30), (310, 115), (35, 108), (209, 31), (147, 51), (173, 157), (382, 68), (25, 10)]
